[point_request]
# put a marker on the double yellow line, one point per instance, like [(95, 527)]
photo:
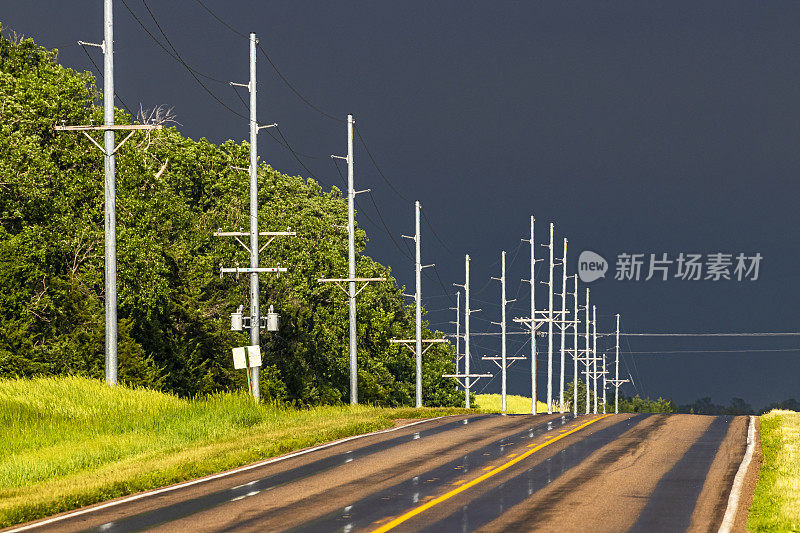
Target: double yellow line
[(447, 495)]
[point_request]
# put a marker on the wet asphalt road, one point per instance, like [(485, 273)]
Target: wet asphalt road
[(638, 473)]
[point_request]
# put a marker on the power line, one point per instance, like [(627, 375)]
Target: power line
[(719, 351), (383, 222), (240, 34), (375, 164), (164, 48), (100, 73), (436, 235), (178, 57), (764, 334), (272, 64)]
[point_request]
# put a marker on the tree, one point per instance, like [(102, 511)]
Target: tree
[(172, 194)]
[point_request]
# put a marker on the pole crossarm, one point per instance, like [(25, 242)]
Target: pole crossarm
[(270, 234), (339, 281), (133, 128), (250, 270), (411, 343), (459, 377), (498, 360)]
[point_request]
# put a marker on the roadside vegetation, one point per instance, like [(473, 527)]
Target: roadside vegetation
[(68, 441), (776, 503), (514, 404)]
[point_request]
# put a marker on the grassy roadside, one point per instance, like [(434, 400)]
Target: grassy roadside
[(514, 404), (69, 442), (776, 503)]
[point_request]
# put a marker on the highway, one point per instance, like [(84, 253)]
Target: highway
[(627, 472)]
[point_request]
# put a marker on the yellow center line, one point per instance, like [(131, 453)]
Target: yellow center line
[(447, 495)]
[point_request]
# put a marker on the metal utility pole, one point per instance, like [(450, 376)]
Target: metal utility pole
[(604, 383), (550, 328), (255, 312), (418, 351), (503, 359), (575, 350), (351, 262), (351, 278), (588, 351), (110, 192), (616, 381), (564, 324), (616, 370), (467, 312), (253, 247), (594, 353), (457, 309), (466, 376), (502, 280), (533, 325)]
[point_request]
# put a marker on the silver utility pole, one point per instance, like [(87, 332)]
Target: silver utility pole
[(457, 309), (467, 312), (417, 238), (616, 381), (467, 376), (594, 353), (563, 325), (418, 298), (351, 279), (533, 320), (616, 371), (503, 330), (418, 266), (550, 328), (255, 312), (588, 351), (604, 383), (110, 195), (503, 359), (253, 247), (575, 350), (110, 188), (351, 263)]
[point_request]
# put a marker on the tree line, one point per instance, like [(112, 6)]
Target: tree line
[(172, 194)]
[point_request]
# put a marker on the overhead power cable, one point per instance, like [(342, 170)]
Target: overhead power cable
[(380, 172), (180, 59), (272, 64), (435, 234), (765, 334), (234, 30), (100, 73), (164, 48), (718, 351)]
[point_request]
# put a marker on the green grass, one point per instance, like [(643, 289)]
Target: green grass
[(514, 404), (776, 503), (67, 442)]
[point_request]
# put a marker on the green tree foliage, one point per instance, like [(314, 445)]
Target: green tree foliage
[(627, 404), (172, 194), (704, 406)]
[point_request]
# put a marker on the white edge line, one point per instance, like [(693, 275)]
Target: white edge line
[(215, 476), (738, 481)]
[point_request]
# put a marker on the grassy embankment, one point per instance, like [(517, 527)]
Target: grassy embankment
[(69, 442), (514, 404), (776, 503)]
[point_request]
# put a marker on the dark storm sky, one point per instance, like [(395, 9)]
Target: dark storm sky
[(639, 127)]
